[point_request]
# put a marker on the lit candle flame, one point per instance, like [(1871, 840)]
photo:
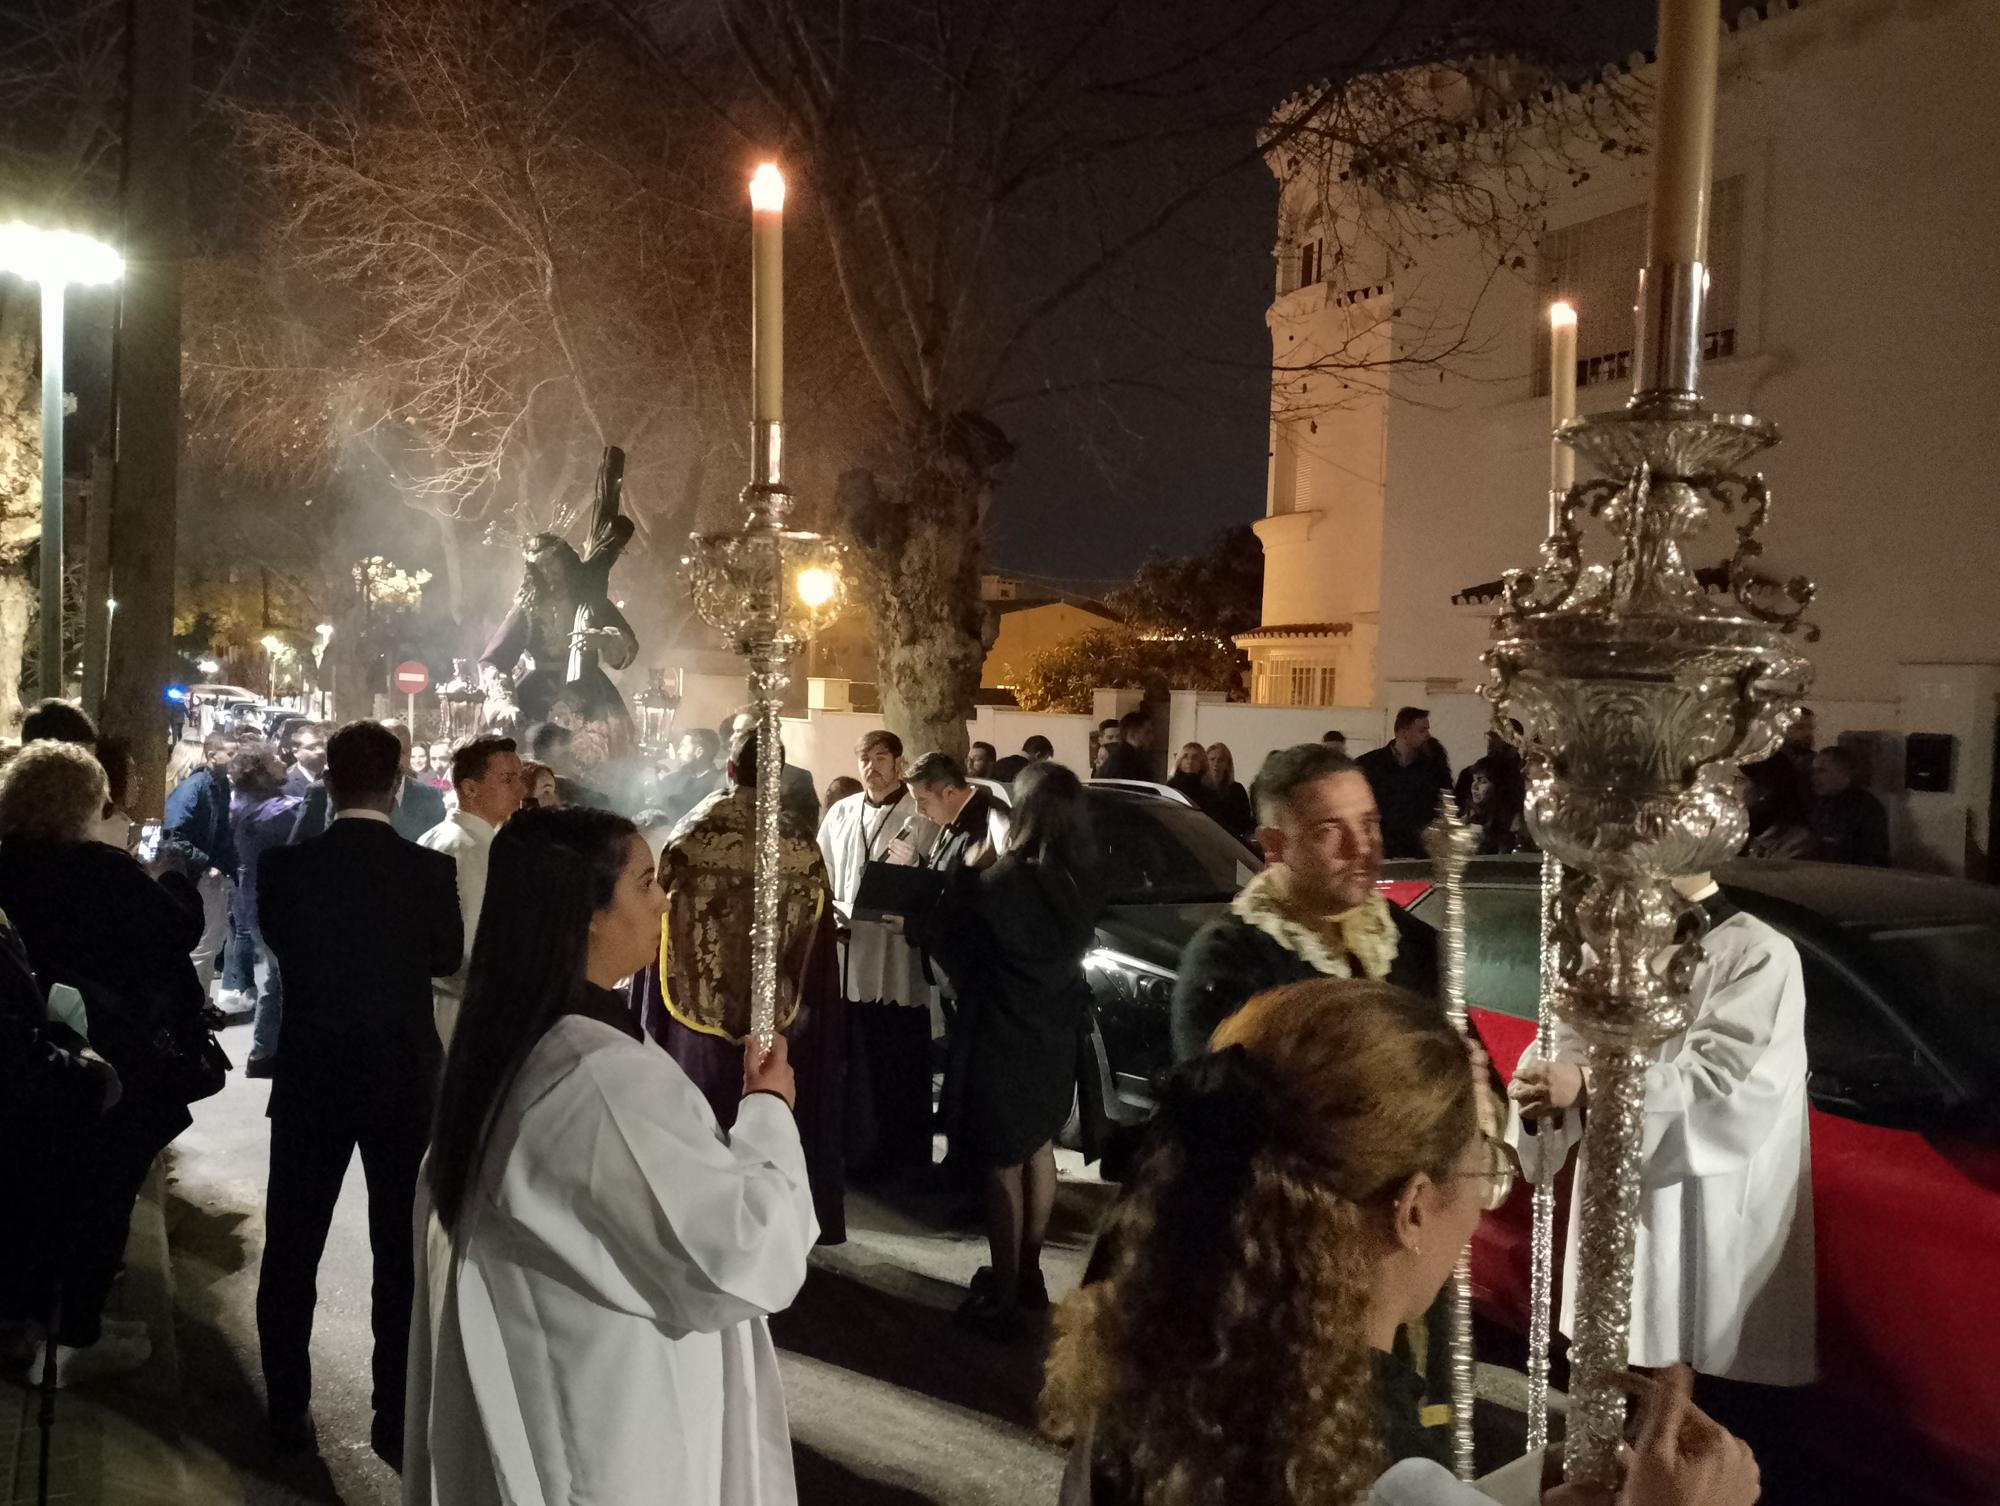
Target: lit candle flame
[(767, 189), (1562, 315)]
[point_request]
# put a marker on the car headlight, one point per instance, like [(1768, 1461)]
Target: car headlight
[(1127, 979)]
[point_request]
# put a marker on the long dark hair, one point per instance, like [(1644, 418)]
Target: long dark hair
[(550, 871), (1051, 824)]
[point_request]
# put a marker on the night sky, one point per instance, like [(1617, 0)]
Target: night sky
[(1100, 481)]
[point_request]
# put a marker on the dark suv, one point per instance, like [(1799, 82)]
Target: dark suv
[(1167, 870)]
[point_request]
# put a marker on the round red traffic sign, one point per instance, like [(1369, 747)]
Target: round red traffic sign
[(412, 678)]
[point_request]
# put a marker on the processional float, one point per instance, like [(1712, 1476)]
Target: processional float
[(767, 587), (1636, 696)]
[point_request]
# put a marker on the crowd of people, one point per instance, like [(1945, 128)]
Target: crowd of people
[(531, 1015)]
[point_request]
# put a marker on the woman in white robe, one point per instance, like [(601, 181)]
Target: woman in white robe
[(1723, 1275), (596, 1258)]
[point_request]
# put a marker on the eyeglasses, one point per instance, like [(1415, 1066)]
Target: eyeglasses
[(1497, 1174)]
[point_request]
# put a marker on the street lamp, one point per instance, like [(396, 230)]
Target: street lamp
[(54, 258)]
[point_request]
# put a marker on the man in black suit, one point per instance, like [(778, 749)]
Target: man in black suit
[(418, 807), (360, 921), (971, 825)]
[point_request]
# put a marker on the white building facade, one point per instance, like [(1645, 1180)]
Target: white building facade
[(1855, 256)]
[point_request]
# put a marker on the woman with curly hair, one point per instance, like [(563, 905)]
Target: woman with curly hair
[(1306, 1191)]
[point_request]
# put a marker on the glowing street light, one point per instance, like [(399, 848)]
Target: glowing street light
[(54, 259), (816, 585)]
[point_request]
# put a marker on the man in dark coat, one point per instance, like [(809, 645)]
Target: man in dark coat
[(1314, 910), (360, 921), (1848, 824), (1131, 756), (971, 825), (1407, 774), (197, 825)]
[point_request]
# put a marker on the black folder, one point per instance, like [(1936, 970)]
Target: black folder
[(896, 889)]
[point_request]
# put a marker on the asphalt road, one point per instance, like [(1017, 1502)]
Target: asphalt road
[(889, 1401)]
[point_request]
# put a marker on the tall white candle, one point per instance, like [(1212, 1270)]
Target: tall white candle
[(1562, 392), (767, 294), (1684, 131)]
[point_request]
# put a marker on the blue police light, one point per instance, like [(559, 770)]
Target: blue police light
[(177, 692)]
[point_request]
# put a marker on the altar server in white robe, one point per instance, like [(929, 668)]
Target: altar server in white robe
[(1723, 1275), (894, 1006), (595, 1258)]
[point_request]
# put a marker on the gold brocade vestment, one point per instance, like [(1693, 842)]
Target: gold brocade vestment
[(709, 870)]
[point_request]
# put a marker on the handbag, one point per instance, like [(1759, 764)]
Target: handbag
[(193, 1065)]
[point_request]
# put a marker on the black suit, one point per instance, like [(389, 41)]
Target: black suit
[(360, 921)]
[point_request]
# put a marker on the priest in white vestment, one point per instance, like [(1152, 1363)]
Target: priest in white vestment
[(881, 975), (1723, 1275), (591, 1329)]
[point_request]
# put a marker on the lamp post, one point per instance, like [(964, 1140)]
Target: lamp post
[(54, 259)]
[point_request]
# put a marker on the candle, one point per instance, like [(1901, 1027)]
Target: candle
[(1684, 132), (767, 294), (1562, 394)]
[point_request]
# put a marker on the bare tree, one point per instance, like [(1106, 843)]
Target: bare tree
[(983, 169)]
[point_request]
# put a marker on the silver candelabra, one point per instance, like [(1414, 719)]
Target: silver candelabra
[(769, 589), (1637, 696)]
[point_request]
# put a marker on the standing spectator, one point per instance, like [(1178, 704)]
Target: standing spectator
[(1034, 749), (1314, 910), (57, 721), (308, 744), (197, 822), (1848, 824), (1190, 776), (1131, 755), (1012, 939), (486, 773), (1229, 803), (1492, 794), (441, 775), (53, 1089), (262, 817), (1780, 802), (420, 761), (1336, 740), (360, 921), (538, 786), (591, 1241), (696, 1002), (89, 917), (553, 744), (697, 777), (418, 806), (979, 761), (1407, 778), (837, 789), (881, 974), (1102, 737), (796, 789)]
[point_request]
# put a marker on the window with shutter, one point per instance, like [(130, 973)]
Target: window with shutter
[(1594, 266)]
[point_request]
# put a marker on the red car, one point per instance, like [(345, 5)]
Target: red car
[(1902, 975)]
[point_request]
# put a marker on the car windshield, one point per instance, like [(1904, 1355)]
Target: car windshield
[(1946, 976), (1158, 852)]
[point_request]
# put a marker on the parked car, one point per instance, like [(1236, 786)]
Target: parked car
[(1902, 976)]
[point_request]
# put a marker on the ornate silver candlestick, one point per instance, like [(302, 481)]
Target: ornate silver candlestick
[(1542, 1227), (770, 589), (1452, 843), (1638, 695)]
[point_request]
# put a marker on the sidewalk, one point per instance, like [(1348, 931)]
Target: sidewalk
[(118, 1442)]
